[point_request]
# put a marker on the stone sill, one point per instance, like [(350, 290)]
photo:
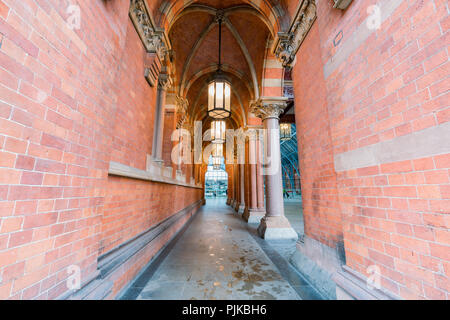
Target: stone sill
[(121, 170)]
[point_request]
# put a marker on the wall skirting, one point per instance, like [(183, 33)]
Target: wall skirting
[(318, 263), (350, 285), (100, 286)]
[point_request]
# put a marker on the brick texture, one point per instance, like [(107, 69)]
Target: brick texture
[(71, 101), (393, 215)]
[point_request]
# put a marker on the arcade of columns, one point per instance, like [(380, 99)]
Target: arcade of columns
[(252, 192)]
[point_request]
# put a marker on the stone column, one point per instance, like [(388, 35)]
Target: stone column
[(238, 188), (274, 225), (259, 177), (252, 213), (247, 182), (235, 185), (230, 175), (164, 82), (203, 179), (241, 188)]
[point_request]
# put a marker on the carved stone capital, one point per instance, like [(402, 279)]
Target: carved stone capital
[(268, 108), (288, 43), (285, 50), (154, 39), (164, 81)]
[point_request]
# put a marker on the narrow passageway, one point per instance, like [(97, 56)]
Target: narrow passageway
[(217, 258)]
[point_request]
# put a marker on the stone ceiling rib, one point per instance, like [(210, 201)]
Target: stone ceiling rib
[(247, 56), (192, 55), (237, 37)]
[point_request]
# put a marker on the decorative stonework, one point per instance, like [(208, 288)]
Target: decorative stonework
[(220, 15), (151, 74), (288, 43), (342, 4), (164, 81), (182, 107), (268, 108), (154, 39)]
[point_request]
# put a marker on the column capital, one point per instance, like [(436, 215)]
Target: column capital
[(269, 107), (164, 81), (287, 43)]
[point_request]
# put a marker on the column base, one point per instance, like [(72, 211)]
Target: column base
[(276, 228), (203, 202), (228, 201), (241, 209), (252, 215)]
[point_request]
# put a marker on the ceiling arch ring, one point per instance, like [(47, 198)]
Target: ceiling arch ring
[(212, 11), (241, 44), (252, 11), (169, 13)]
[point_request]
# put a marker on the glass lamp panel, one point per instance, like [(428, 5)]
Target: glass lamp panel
[(219, 95), (218, 128), (211, 98), (218, 150), (227, 97), (211, 92), (285, 131)]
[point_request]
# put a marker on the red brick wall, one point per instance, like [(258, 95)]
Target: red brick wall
[(128, 214), (133, 129), (395, 215), (70, 102), (169, 127), (320, 208)]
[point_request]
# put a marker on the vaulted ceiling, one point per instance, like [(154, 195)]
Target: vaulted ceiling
[(194, 33)]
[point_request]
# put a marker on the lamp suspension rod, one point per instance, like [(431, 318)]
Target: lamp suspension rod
[(220, 43)]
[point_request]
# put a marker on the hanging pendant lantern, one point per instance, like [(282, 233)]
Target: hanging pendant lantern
[(285, 131), (219, 98), (217, 151), (217, 163), (219, 89), (218, 130)]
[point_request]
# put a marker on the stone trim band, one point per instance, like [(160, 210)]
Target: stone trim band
[(420, 144)]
